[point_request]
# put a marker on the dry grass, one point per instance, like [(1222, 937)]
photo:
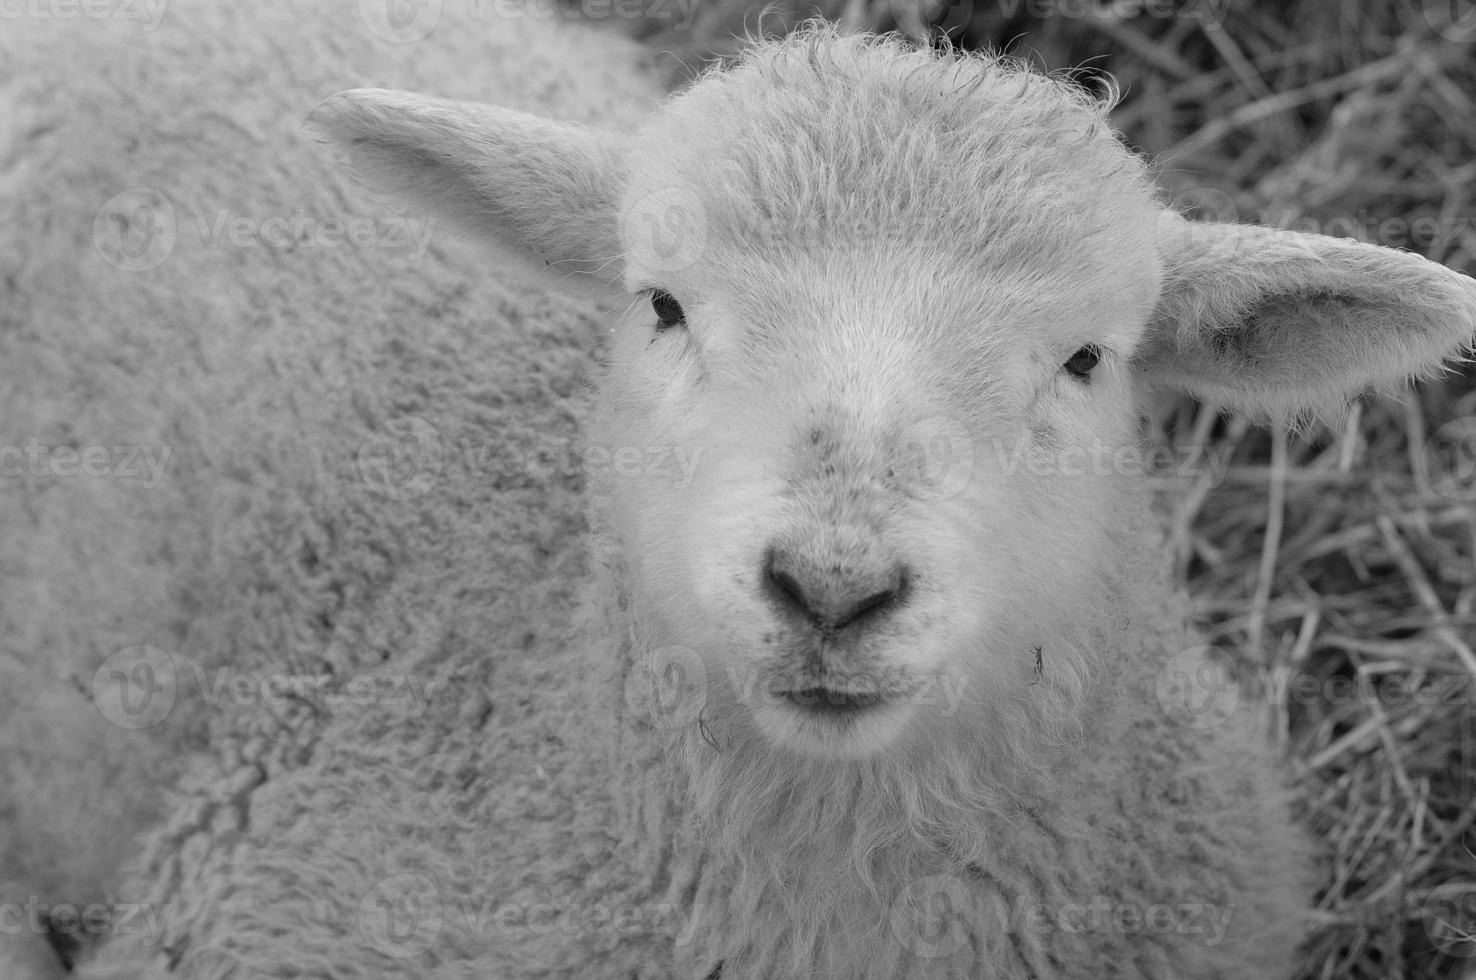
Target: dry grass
[(1341, 573), (1339, 567)]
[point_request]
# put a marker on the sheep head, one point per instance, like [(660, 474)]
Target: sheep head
[(893, 313)]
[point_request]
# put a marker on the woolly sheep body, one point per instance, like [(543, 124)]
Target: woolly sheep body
[(260, 548), (1044, 828)]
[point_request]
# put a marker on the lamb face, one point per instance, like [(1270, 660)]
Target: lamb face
[(892, 308), (894, 351)]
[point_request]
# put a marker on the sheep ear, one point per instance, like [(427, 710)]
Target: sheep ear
[(1278, 324), (542, 191)]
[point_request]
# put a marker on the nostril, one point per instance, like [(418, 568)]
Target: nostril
[(877, 600), (835, 595), (788, 586), (782, 582)]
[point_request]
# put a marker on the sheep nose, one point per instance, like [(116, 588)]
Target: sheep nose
[(832, 595)]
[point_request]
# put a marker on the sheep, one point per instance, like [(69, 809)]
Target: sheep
[(210, 345), (868, 673), (892, 300)]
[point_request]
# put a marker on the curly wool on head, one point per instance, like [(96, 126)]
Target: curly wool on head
[(870, 140)]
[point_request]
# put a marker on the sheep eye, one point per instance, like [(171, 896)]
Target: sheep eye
[(1081, 363), (668, 310)]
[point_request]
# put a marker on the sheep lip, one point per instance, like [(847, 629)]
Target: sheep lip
[(834, 721), (829, 700)]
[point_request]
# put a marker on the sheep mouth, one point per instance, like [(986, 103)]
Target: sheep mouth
[(834, 701), (835, 718)]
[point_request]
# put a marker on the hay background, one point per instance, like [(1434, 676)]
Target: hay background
[(1342, 556)]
